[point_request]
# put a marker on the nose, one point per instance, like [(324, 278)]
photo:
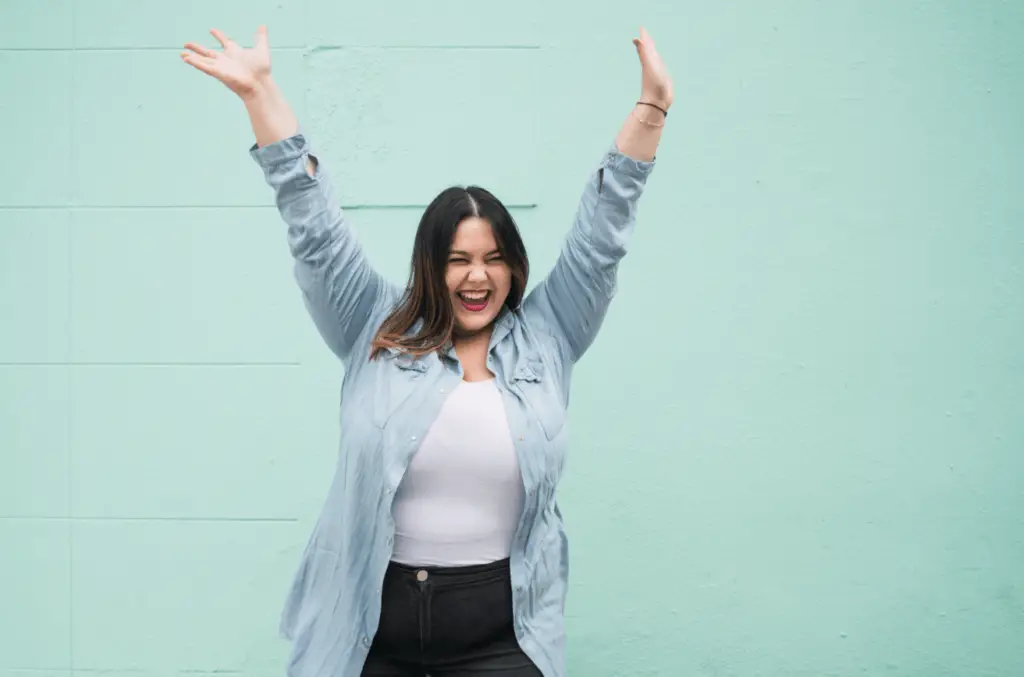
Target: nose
[(477, 274)]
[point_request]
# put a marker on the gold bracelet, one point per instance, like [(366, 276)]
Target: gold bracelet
[(647, 122)]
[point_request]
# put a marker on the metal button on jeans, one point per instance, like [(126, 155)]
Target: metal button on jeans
[(421, 575)]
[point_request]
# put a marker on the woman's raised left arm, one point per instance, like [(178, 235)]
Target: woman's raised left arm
[(573, 299)]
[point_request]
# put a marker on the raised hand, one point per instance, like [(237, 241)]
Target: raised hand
[(656, 84), (241, 69)]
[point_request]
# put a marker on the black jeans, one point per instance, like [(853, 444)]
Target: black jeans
[(447, 622)]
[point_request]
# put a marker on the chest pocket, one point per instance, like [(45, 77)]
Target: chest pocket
[(397, 378), (538, 388)]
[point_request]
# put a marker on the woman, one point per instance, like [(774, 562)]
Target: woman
[(440, 549)]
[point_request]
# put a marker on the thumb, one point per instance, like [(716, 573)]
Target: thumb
[(639, 50), (261, 36)]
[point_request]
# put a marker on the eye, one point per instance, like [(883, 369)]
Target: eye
[(497, 258), (457, 259)]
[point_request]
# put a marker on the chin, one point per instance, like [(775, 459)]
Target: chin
[(471, 325)]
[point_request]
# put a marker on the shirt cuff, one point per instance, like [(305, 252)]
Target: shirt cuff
[(618, 161), (285, 150)]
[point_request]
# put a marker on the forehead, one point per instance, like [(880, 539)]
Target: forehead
[(474, 235)]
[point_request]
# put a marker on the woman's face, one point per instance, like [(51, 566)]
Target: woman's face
[(478, 278)]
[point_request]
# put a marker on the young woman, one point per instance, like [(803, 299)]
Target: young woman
[(440, 549)]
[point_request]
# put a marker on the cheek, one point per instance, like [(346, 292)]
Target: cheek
[(503, 281), (451, 280)]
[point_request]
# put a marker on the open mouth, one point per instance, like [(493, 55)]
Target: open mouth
[(474, 301)]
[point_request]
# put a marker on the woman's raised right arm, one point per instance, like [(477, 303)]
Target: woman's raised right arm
[(341, 289)]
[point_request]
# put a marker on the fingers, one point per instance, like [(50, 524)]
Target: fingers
[(645, 45), (261, 37), (200, 50), (641, 48), (220, 37), (645, 41), (205, 64)]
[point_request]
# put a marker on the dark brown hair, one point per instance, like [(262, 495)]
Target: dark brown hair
[(426, 295)]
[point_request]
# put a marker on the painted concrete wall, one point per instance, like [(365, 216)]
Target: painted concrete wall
[(797, 443)]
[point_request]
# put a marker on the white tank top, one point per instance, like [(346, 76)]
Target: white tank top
[(460, 499)]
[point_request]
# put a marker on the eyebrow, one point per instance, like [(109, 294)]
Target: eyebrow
[(459, 251)]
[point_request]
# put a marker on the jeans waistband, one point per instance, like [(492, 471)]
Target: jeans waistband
[(455, 574)]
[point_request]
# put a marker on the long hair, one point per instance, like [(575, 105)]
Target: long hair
[(426, 297)]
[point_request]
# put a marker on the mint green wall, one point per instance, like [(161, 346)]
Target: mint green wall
[(798, 443)]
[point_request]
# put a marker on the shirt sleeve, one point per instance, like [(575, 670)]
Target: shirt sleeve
[(341, 290), (573, 299)]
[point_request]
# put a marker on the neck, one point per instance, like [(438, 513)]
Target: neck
[(472, 340), (471, 350)]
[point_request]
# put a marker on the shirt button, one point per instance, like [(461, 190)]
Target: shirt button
[(413, 438), (366, 641)]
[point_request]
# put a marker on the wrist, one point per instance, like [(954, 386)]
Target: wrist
[(653, 98), (660, 102), (652, 108), (258, 91)]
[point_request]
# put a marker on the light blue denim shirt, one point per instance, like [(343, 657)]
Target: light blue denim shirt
[(387, 405)]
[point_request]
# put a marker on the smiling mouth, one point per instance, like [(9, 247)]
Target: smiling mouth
[(474, 301)]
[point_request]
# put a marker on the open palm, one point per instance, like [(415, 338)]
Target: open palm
[(239, 68)]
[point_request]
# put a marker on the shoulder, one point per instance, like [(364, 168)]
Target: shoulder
[(537, 346), (388, 298), (529, 330)]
